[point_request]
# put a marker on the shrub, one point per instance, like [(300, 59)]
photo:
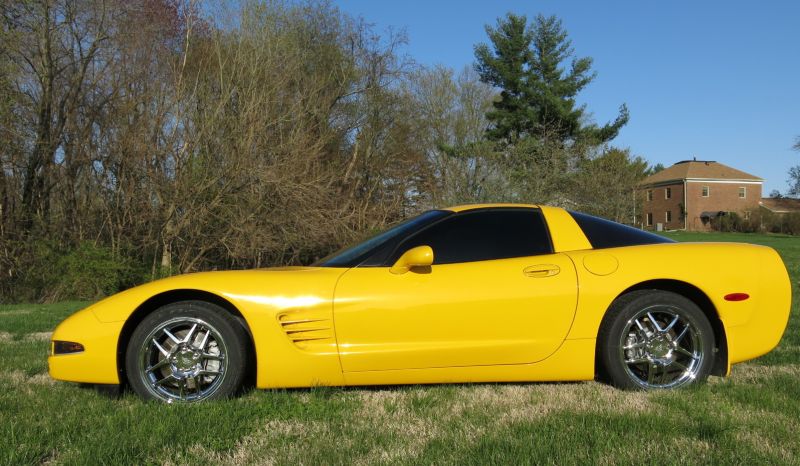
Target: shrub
[(788, 224), (45, 271), (732, 222), (90, 272)]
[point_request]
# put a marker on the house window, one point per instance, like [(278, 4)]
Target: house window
[(742, 192), (747, 215), (667, 193), (669, 216), (705, 191), (650, 220), (649, 194)]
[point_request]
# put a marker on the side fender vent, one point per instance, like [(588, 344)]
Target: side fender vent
[(307, 331)]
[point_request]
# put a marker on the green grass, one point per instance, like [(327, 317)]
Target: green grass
[(752, 417)]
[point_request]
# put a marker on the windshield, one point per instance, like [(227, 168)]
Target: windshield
[(355, 255)]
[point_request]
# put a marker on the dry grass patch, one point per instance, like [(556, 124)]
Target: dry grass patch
[(6, 337), (389, 411), (16, 312), (503, 404), (680, 450), (23, 382), (38, 336), (518, 403), (746, 416), (276, 442), (764, 443), (754, 373)]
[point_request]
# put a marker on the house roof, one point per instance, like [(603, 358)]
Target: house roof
[(780, 205), (698, 169)]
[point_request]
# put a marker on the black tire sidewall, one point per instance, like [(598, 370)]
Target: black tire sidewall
[(230, 331), (627, 306)]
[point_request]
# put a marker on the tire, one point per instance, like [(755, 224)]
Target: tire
[(187, 351), (653, 339)]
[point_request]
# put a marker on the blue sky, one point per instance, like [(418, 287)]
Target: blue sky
[(716, 80)]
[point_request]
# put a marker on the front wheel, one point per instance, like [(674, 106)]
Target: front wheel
[(654, 339), (186, 352)]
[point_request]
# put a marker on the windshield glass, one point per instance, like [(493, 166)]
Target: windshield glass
[(354, 255)]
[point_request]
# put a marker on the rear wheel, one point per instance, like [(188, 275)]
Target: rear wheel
[(186, 352), (653, 339)]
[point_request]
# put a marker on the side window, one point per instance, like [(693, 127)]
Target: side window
[(483, 235)]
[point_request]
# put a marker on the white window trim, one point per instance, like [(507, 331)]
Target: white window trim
[(667, 216), (742, 190), (648, 219), (667, 193), (705, 191), (709, 181)]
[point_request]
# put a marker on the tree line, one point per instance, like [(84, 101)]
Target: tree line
[(144, 138)]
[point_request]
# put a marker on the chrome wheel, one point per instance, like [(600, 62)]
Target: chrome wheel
[(183, 359), (661, 348)]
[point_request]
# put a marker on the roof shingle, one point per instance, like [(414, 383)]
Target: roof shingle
[(706, 170), (781, 205)]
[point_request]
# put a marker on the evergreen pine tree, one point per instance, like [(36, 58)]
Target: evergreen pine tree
[(538, 93)]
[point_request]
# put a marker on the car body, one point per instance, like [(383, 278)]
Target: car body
[(379, 313)]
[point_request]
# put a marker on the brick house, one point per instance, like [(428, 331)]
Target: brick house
[(687, 195), (781, 205)]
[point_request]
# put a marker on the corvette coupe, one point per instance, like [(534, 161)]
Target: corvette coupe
[(478, 293)]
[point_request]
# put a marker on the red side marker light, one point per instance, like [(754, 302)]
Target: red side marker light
[(736, 296)]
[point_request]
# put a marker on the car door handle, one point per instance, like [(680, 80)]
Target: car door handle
[(541, 270)]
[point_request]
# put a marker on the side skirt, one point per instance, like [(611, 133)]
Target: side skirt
[(573, 361)]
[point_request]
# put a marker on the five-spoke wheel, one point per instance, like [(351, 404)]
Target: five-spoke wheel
[(655, 339), (187, 351)]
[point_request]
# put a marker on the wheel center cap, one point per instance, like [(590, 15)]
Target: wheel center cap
[(659, 348), (185, 359)]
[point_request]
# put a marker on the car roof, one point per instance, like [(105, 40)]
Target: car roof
[(464, 207)]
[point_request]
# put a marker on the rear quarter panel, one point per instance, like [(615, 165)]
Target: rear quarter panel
[(753, 327)]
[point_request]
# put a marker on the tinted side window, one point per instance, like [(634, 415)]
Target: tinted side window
[(483, 235), (603, 233), (381, 244)]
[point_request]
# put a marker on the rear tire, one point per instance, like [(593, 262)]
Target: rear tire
[(187, 351), (654, 339)]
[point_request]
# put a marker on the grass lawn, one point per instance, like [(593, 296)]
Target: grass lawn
[(752, 417)]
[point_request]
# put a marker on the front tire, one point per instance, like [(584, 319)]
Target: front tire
[(187, 351), (653, 339)]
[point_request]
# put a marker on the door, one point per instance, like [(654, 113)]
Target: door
[(495, 294)]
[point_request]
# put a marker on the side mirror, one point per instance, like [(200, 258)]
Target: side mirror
[(420, 256)]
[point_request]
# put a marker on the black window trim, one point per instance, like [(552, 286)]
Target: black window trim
[(397, 247)]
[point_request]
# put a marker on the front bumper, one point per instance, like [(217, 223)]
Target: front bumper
[(97, 364)]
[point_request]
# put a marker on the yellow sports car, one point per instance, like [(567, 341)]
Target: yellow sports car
[(473, 293)]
